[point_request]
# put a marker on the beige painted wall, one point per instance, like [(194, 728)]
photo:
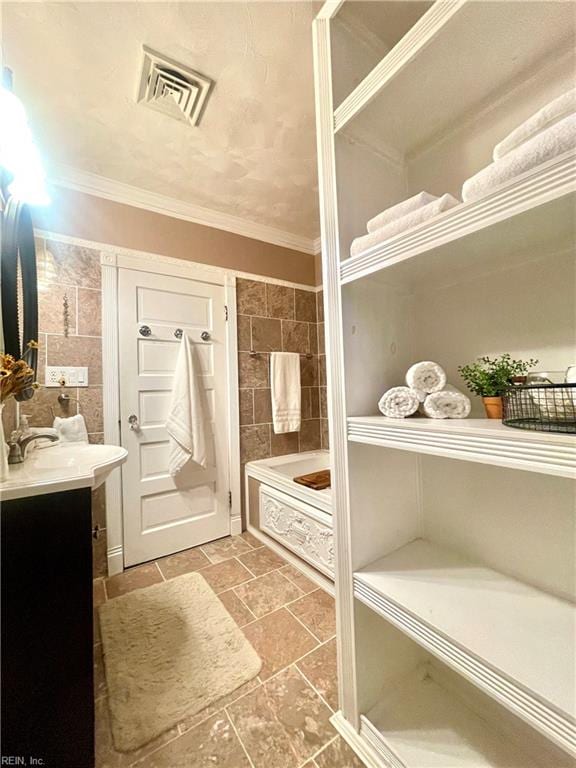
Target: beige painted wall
[(92, 218)]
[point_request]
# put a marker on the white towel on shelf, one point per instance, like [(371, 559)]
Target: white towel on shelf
[(71, 429), (186, 417), (449, 403), (409, 221), (552, 113), (399, 210), (285, 391), (426, 376), (554, 141), (399, 402)]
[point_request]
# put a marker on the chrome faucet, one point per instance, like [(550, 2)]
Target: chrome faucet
[(18, 444)]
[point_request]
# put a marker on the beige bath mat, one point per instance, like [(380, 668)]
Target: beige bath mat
[(170, 650)]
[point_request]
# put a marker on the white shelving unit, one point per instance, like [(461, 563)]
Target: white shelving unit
[(455, 540), (479, 440)]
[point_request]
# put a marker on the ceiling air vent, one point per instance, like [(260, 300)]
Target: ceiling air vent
[(172, 88)]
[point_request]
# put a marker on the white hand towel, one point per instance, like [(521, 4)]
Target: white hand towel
[(285, 391), (449, 403), (72, 429), (426, 376), (186, 417), (399, 210), (409, 221), (554, 141), (399, 402), (552, 113)]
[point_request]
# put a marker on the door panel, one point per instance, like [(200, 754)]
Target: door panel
[(164, 514)]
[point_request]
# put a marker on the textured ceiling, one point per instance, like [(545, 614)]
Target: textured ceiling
[(77, 67)]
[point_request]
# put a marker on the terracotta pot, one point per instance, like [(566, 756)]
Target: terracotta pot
[(493, 407)]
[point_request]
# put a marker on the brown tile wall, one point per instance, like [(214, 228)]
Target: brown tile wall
[(275, 318), (74, 272)]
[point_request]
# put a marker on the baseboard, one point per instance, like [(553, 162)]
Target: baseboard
[(235, 526), (318, 578), (115, 557), (355, 741)]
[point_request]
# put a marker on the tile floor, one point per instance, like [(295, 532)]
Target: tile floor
[(281, 718)]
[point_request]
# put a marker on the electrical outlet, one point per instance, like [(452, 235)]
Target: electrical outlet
[(67, 376)]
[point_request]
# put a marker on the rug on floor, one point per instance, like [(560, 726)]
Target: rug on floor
[(170, 650)]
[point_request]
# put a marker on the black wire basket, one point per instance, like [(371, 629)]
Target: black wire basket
[(541, 407)]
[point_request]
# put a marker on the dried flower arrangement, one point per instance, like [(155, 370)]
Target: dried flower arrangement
[(16, 376)]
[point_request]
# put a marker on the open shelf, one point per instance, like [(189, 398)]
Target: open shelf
[(456, 57), (419, 723), (511, 640), (485, 441), (530, 213)]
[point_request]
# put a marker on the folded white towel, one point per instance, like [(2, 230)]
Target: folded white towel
[(399, 402), (285, 391), (553, 112), (72, 429), (186, 416), (426, 377), (554, 141), (449, 403), (410, 220), (399, 210)]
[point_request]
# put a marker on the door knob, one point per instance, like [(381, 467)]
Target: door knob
[(133, 421), (145, 330), (205, 336)]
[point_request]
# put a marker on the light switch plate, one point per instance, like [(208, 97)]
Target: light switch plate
[(67, 376)]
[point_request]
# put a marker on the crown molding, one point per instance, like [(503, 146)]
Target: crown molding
[(100, 186)]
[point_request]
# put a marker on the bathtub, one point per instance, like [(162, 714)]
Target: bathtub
[(295, 517)]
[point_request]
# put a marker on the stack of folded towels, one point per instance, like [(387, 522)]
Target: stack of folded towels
[(406, 215), (426, 391), (545, 135)]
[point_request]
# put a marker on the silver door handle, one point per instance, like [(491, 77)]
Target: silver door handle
[(205, 336), (133, 421), (144, 330)]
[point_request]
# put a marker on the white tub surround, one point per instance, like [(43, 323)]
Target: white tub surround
[(298, 518)]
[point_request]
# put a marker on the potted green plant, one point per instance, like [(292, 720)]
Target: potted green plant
[(490, 377)]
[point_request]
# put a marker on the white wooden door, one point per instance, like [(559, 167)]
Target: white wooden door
[(163, 514)]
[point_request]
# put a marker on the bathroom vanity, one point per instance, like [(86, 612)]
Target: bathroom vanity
[(47, 633)]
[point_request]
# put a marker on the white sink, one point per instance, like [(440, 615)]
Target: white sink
[(61, 467)]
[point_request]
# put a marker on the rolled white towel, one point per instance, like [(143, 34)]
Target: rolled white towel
[(399, 402), (553, 112), (399, 210), (410, 220), (449, 403), (426, 377), (554, 141)]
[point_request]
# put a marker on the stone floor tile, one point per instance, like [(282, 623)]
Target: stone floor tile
[(236, 608), (283, 722), (223, 576), (182, 562), (261, 561), (338, 755), (268, 593), (133, 578), (224, 549), (279, 639), (211, 744), (317, 612), (320, 668), (298, 578)]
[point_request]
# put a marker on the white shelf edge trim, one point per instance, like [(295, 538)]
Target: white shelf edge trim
[(379, 744), (547, 182), (558, 727), (426, 28), (505, 450)]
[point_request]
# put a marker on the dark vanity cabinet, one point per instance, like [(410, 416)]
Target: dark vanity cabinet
[(47, 634)]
